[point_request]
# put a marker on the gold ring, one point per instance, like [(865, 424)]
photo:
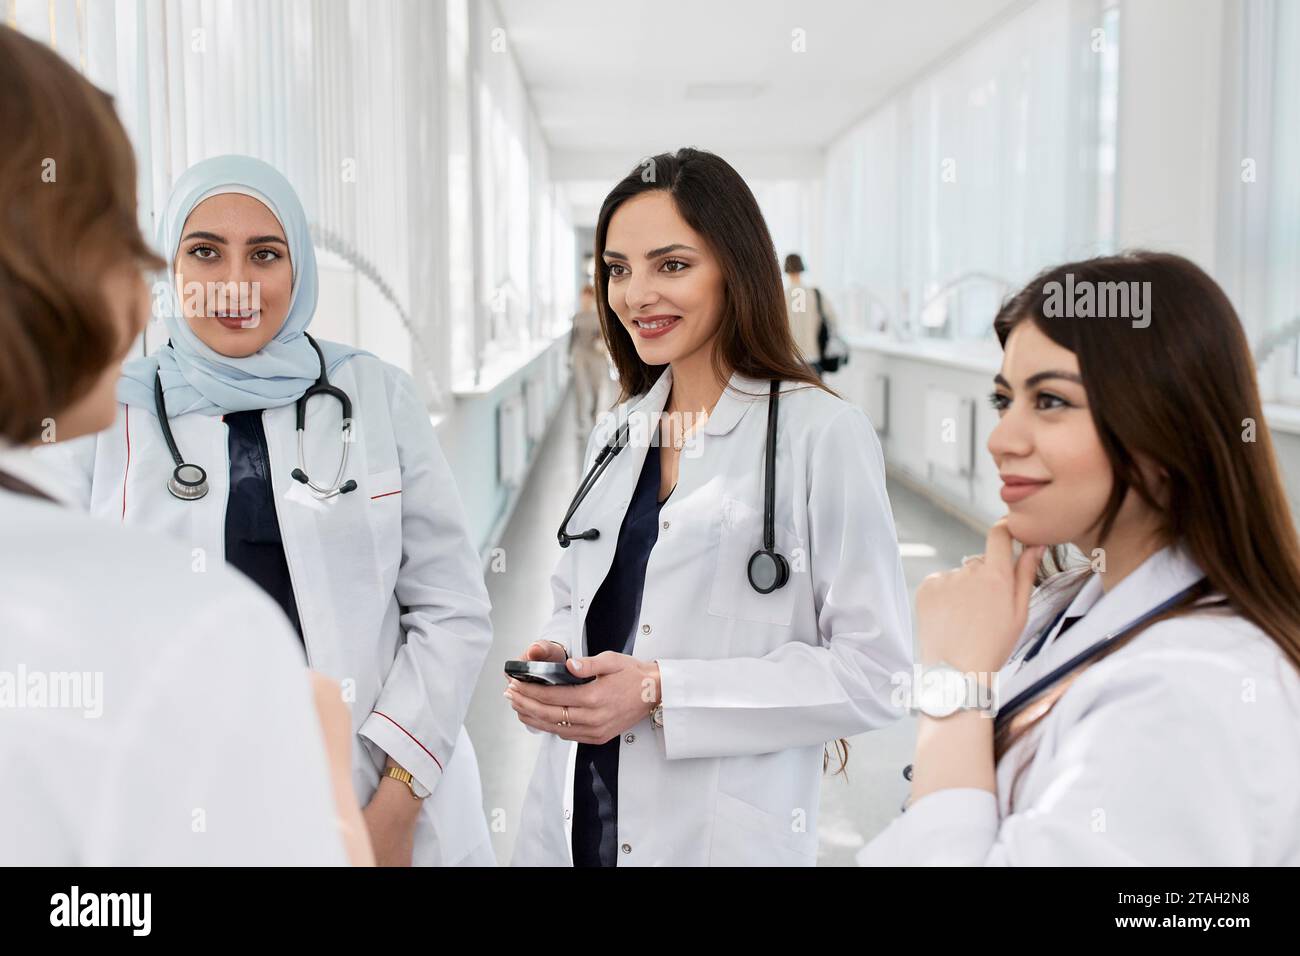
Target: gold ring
[(565, 721)]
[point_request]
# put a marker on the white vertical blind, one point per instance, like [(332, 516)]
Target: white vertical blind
[(1258, 250), (1282, 276), (460, 252)]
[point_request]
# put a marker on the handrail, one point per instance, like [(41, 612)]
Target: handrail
[(1272, 340), (333, 243), (1004, 286)]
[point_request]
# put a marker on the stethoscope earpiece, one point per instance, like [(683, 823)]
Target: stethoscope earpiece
[(590, 534)]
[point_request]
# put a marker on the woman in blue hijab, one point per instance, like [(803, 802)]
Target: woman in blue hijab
[(352, 524), (246, 360)]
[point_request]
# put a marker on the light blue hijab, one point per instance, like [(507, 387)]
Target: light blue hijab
[(194, 377)]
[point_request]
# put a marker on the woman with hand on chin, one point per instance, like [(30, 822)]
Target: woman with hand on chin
[(701, 739), (353, 524), (1148, 703)]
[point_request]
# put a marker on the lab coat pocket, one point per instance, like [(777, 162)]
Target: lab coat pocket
[(744, 835), (740, 535), (384, 493)]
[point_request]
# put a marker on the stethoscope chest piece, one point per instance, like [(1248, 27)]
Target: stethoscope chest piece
[(188, 482), (768, 571)]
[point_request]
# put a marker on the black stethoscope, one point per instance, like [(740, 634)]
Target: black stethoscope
[(190, 482), (768, 569), (1018, 703)]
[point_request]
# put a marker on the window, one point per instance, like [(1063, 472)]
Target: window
[(962, 186), (460, 256), (1282, 276), (1259, 211), (336, 95)]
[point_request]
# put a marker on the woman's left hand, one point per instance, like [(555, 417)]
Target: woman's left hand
[(390, 818), (622, 695), (971, 617)]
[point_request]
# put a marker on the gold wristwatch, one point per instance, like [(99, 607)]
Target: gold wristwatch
[(403, 776)]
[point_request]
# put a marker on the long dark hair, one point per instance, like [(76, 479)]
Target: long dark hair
[(754, 336), (1180, 393)]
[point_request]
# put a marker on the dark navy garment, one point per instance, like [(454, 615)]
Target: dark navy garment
[(1042, 638), (611, 626), (253, 542)]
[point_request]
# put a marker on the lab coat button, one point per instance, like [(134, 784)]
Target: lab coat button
[(665, 525), (567, 814), (645, 628), (627, 848), (630, 739), (582, 602)]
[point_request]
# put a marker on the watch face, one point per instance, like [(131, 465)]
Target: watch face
[(943, 690)]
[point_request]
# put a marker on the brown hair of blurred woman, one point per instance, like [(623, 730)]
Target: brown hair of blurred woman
[(67, 222)]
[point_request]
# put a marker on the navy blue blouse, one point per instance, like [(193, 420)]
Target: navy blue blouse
[(253, 542), (611, 626)]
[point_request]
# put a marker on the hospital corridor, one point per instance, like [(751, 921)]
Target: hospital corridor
[(487, 435)]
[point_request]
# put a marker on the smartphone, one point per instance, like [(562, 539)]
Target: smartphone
[(543, 672)]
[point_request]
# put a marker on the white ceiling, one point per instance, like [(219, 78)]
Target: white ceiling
[(615, 80)]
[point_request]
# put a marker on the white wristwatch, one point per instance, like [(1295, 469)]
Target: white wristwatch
[(942, 690)]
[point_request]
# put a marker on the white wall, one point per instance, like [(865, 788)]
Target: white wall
[(903, 430)]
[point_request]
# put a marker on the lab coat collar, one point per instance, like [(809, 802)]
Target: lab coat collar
[(19, 461), (1158, 578), (741, 393), (654, 400)]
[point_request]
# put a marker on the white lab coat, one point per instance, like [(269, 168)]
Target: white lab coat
[(1180, 749), (389, 588), (185, 755), (753, 684)]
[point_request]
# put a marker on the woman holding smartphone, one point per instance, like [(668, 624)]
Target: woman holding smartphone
[(1148, 700), (731, 576)]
